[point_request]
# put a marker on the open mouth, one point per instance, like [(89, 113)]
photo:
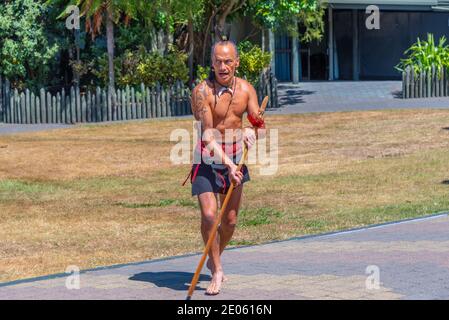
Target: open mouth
[(223, 74)]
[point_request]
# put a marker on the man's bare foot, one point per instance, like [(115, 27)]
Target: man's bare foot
[(215, 283), (210, 266)]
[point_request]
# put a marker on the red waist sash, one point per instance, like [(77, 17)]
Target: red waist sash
[(201, 148)]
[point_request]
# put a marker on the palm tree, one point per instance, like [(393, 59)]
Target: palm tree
[(111, 11)]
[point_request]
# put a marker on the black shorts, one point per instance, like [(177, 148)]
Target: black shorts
[(206, 180)]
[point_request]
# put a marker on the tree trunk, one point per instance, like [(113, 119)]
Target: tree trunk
[(262, 40), (220, 27), (70, 53), (207, 35), (272, 49), (77, 49), (168, 39), (161, 41), (191, 49), (110, 44)]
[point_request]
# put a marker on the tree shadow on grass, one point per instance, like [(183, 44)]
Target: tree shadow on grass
[(170, 279)]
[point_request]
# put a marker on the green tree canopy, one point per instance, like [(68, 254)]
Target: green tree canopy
[(25, 51), (285, 15)]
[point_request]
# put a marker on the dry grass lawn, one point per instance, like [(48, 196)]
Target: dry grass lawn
[(97, 195)]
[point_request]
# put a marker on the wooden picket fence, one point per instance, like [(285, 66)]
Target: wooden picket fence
[(425, 84), (73, 106), (100, 105)]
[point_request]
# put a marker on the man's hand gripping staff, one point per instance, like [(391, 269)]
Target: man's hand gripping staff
[(259, 119)]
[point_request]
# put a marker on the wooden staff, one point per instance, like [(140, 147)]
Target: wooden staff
[(220, 216)]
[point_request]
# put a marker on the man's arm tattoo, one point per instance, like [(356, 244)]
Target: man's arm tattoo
[(200, 104)]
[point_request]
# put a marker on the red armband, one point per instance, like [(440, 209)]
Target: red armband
[(256, 120)]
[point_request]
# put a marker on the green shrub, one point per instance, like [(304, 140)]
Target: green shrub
[(165, 69), (423, 54), (135, 67), (252, 61), (202, 73)]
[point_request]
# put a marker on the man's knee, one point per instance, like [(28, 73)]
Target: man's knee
[(230, 220), (208, 219)]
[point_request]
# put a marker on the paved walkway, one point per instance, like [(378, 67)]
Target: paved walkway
[(410, 260), (8, 128), (334, 96)]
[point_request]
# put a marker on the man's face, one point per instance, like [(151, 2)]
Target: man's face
[(225, 62)]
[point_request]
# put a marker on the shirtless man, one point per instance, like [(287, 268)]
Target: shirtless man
[(219, 103)]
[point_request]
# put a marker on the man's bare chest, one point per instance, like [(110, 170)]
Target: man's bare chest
[(227, 105)]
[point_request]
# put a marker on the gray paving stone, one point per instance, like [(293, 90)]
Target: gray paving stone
[(7, 128), (325, 96), (319, 267)]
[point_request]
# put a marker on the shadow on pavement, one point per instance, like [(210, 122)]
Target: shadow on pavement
[(170, 279), (397, 94), (293, 97)]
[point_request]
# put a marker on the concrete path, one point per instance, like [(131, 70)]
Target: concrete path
[(406, 260), (348, 96), (8, 128)]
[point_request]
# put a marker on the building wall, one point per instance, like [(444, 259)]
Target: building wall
[(380, 50), (343, 32)]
